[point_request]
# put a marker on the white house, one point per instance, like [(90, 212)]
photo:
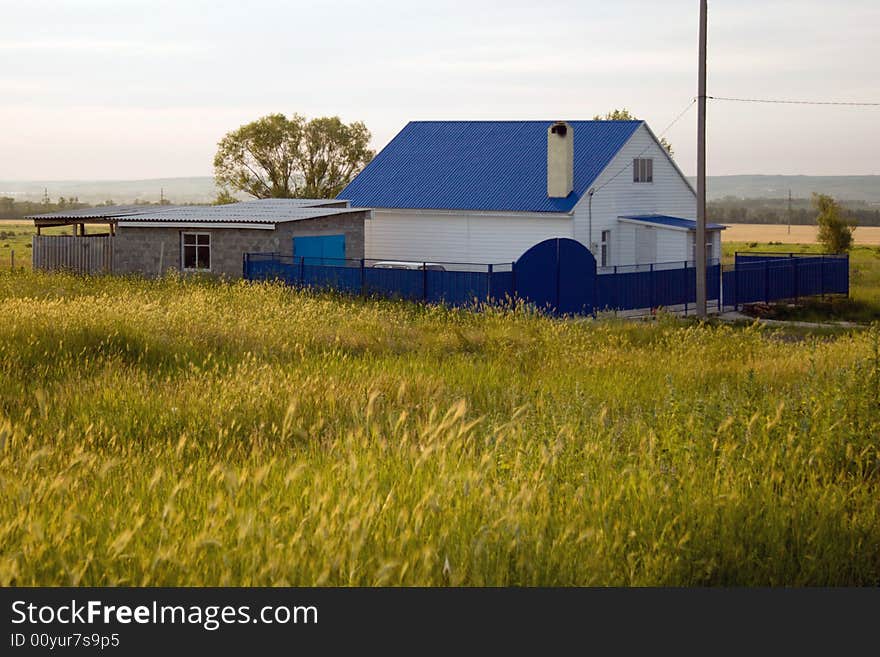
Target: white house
[(486, 191)]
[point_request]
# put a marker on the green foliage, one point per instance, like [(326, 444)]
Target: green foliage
[(625, 115), (277, 157), (835, 233), (225, 197), (188, 432)]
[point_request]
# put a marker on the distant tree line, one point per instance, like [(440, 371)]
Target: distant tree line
[(735, 210), (11, 208)]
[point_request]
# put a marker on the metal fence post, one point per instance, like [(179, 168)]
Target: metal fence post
[(766, 264), (616, 295), (513, 279), (489, 286), (653, 287), (687, 288), (302, 270), (363, 279), (424, 281), (794, 269)]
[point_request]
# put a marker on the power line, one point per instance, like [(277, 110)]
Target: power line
[(645, 149), (794, 102)]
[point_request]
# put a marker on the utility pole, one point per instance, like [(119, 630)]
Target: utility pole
[(700, 239), (789, 212)]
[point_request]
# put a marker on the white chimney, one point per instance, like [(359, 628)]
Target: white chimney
[(560, 160)]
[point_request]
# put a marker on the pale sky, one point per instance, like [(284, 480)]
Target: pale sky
[(117, 89)]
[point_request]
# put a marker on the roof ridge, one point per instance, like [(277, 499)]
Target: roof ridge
[(524, 121)]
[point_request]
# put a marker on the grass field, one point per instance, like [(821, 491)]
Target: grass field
[(15, 236), (180, 432)]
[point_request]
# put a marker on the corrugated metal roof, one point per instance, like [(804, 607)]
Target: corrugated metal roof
[(238, 213), (102, 212), (269, 211), (673, 222), (482, 165)]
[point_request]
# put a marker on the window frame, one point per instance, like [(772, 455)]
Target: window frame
[(643, 170), (196, 246), (710, 249), (605, 248)]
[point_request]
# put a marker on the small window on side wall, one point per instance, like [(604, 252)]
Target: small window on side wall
[(643, 170), (605, 249), (196, 251)]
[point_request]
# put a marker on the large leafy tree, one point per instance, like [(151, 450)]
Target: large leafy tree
[(835, 232), (625, 115), (280, 157)]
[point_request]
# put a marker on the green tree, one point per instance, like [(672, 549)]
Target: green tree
[(332, 153), (225, 197), (835, 232), (625, 115), (280, 157)]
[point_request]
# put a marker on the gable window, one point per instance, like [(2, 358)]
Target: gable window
[(605, 249), (643, 170), (195, 251)]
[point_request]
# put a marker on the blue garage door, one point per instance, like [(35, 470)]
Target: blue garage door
[(320, 249)]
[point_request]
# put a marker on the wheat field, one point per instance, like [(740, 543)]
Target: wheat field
[(187, 432), (864, 235)]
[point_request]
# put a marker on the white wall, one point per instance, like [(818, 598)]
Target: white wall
[(458, 236), (618, 195)]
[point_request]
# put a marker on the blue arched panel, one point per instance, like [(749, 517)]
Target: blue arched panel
[(557, 275)]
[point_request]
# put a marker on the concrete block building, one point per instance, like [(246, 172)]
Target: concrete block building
[(152, 240)]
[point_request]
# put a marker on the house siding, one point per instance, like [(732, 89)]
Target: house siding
[(458, 236), (152, 251)]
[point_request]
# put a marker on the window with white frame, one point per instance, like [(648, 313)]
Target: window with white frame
[(605, 249), (643, 170), (195, 251), (709, 251)]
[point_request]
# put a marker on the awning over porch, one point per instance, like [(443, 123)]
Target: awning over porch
[(667, 221)]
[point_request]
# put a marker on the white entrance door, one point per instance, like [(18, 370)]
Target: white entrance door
[(646, 245)]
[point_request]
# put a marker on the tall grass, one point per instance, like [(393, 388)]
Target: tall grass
[(183, 432)]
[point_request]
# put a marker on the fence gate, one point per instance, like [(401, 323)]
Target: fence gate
[(558, 275)]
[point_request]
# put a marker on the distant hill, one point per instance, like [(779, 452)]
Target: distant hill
[(844, 188), (197, 189), (200, 189)]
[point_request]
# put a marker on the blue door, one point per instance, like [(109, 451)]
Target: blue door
[(320, 249)]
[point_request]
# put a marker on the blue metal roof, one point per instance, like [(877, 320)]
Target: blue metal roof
[(672, 222), (482, 165)]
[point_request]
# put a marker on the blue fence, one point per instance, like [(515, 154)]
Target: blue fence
[(777, 276), (754, 277), (455, 284), (666, 285)]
